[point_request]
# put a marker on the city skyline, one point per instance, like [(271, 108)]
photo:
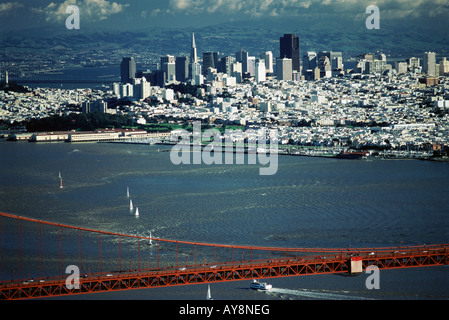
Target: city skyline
[(210, 80), (115, 29)]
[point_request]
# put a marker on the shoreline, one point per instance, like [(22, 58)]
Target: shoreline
[(282, 153)]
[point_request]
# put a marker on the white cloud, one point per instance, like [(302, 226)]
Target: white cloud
[(89, 9), (8, 6), (256, 8)]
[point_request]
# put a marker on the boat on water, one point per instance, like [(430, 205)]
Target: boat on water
[(208, 295), (256, 285), (137, 212), (60, 178), (130, 205)]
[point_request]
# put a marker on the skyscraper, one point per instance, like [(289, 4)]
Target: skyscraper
[(195, 66), (225, 65), (166, 59), (242, 56), (429, 64), (268, 57), (182, 68), (284, 69), (209, 61), (193, 54), (128, 70), (260, 70), (251, 66), (289, 47), (169, 67), (444, 67)]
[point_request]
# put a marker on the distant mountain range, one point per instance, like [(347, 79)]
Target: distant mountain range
[(255, 36)]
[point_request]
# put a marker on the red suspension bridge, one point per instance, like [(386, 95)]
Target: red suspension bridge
[(35, 255)]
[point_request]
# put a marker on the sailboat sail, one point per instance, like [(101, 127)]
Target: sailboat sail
[(127, 192), (137, 211), (208, 296), (60, 178), (130, 205), (151, 240)]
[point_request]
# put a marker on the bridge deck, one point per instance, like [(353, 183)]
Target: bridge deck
[(417, 257)]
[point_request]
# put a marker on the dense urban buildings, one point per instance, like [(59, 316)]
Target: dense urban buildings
[(388, 107)]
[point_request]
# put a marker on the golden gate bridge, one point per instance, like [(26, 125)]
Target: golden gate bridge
[(35, 255)]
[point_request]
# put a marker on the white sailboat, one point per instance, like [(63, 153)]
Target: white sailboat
[(208, 295), (130, 205), (151, 240), (60, 178), (137, 212), (127, 192)]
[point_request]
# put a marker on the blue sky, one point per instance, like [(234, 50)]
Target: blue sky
[(134, 14)]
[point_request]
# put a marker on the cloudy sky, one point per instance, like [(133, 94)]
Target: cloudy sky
[(130, 14)]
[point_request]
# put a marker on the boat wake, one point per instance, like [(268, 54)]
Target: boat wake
[(315, 294)]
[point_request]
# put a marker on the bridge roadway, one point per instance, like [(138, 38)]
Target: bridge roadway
[(337, 261)]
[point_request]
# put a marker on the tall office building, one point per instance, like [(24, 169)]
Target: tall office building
[(239, 55), (197, 75), (444, 67), (225, 65), (289, 47), (128, 70), (168, 67), (429, 64), (335, 59), (309, 61), (376, 66), (193, 53), (195, 66), (284, 69), (245, 56), (126, 90), (260, 70), (210, 60), (182, 68), (251, 66), (268, 57), (400, 67), (242, 57), (167, 58)]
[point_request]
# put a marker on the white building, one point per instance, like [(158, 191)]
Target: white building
[(251, 67), (260, 71), (168, 94), (142, 88), (284, 69), (268, 57), (126, 90), (429, 64), (444, 67), (197, 76)]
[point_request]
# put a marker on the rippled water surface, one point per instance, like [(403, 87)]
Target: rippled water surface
[(309, 202)]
